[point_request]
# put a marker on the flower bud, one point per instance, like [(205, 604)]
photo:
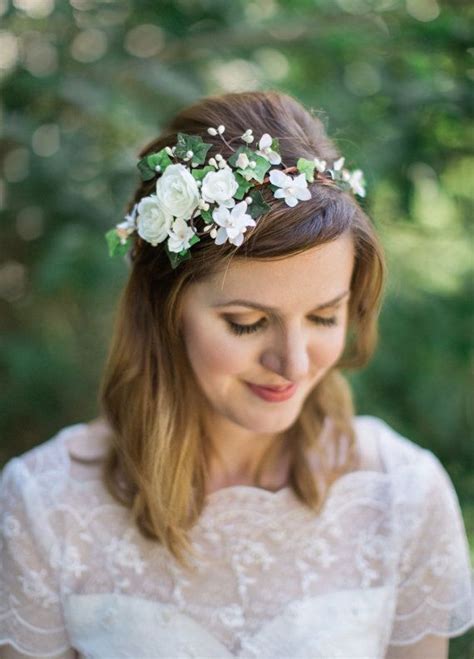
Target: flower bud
[(212, 131), (220, 129)]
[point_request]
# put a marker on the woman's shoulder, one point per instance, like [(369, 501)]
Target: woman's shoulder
[(413, 467), (75, 450)]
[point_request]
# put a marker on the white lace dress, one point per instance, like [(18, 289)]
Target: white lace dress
[(383, 565)]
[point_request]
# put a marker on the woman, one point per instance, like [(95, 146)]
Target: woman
[(228, 501)]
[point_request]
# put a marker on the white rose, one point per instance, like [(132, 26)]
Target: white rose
[(219, 187), (177, 191), (153, 221)]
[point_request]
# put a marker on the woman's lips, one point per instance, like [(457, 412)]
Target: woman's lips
[(271, 394)]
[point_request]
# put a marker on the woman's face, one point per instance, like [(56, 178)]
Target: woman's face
[(276, 334)]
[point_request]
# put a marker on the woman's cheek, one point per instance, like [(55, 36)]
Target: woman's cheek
[(213, 350)]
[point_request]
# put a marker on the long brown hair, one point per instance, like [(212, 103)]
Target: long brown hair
[(156, 465)]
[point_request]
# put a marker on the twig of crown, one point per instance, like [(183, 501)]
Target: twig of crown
[(223, 194)]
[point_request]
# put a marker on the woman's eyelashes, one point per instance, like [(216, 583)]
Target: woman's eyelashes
[(239, 329)]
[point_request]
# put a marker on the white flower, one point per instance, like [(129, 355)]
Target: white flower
[(338, 164), (219, 187), (212, 131), (153, 220), (247, 136), (265, 150), (356, 182), (177, 191), (242, 161), (291, 190), (233, 224), (220, 129), (179, 235), (320, 165)]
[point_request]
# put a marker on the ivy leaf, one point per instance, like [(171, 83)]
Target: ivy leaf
[(306, 167), (250, 153), (258, 172), (116, 247), (199, 174), (207, 216), (244, 186), (161, 158), (258, 206), (192, 143), (146, 172), (176, 258)]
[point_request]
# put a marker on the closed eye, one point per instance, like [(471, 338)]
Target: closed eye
[(239, 329)]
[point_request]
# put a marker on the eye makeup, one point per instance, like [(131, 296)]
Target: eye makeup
[(240, 329)]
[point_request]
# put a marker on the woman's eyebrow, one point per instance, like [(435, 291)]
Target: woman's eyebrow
[(265, 307)]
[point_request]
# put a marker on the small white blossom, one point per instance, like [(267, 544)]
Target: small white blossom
[(212, 131), (213, 232), (357, 183), (265, 150), (153, 220), (222, 164), (233, 223), (291, 190), (219, 157), (203, 205), (320, 165), (169, 150), (242, 161), (219, 187), (249, 200), (179, 235), (213, 162), (220, 129), (338, 164), (247, 136)]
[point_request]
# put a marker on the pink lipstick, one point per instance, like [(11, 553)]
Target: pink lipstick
[(273, 395)]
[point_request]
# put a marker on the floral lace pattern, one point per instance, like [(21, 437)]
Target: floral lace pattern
[(384, 563)]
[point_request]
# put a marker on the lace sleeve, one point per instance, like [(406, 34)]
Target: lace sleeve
[(30, 607), (435, 578)]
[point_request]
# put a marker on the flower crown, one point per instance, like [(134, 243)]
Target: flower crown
[(209, 190)]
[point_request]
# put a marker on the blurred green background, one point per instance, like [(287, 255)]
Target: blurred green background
[(85, 84)]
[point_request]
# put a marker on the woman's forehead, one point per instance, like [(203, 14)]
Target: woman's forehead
[(316, 275)]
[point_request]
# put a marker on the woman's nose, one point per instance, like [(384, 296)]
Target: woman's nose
[(290, 358)]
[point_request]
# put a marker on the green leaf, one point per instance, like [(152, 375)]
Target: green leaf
[(207, 216), (276, 145), (199, 174), (250, 153), (306, 167), (146, 172), (116, 247), (192, 143), (175, 258), (244, 186), (258, 206), (261, 168), (161, 158)]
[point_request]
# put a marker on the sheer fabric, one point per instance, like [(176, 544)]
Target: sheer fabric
[(385, 564)]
